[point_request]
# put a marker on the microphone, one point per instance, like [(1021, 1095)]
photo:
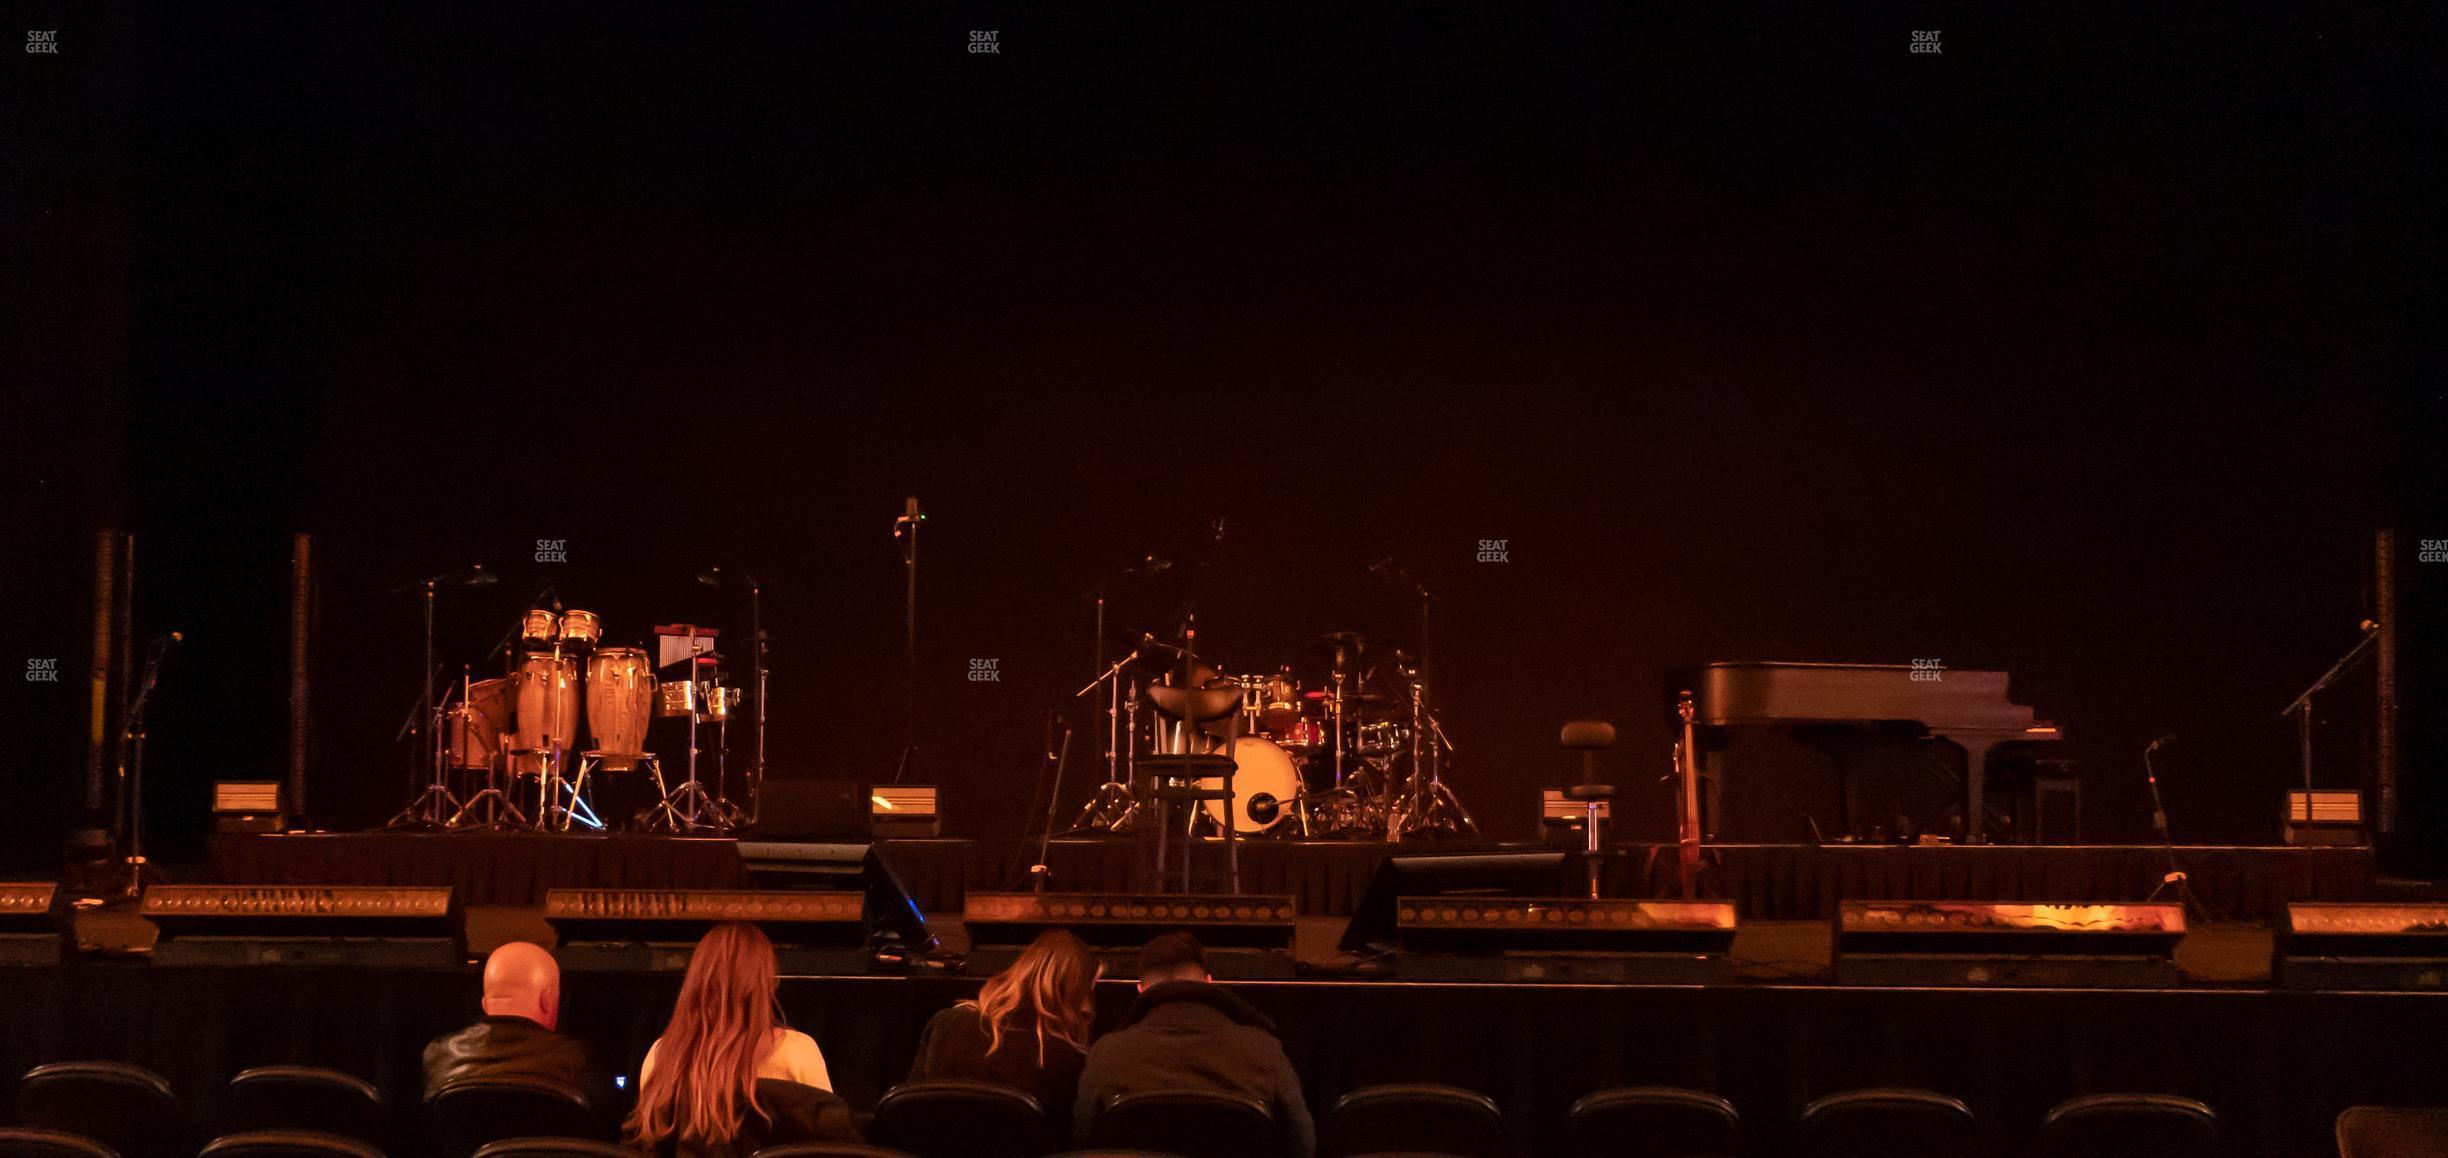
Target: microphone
[(2169, 738), (1153, 566), (171, 638), (711, 577), (479, 577), (1147, 639), (911, 516)]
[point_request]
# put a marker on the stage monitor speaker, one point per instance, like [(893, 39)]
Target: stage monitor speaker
[(820, 933), (1247, 937), (31, 932), (2362, 945), (2007, 943), (812, 810), (1517, 874), (894, 921), (373, 926)]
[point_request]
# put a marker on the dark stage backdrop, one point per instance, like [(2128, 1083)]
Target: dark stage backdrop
[(2065, 351)]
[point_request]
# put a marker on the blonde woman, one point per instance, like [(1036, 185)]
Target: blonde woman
[(1028, 1028)]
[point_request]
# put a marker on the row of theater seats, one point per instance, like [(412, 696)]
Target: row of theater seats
[(105, 1109)]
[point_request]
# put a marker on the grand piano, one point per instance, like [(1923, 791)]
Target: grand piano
[(1896, 739)]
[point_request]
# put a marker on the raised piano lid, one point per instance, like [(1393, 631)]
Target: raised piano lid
[(1943, 699)]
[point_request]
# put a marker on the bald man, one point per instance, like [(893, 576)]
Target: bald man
[(516, 1038)]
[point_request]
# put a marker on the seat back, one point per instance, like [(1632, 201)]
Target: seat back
[(2130, 1126), (1416, 1117), (829, 1150), (1888, 1123), (2392, 1132), (468, 1114), (127, 1108), (1652, 1122), (305, 1098), (1191, 1124), (289, 1144), (960, 1119), (553, 1148), (21, 1142)]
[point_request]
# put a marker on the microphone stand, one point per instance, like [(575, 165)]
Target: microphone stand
[(905, 531), (2176, 876), (132, 740), (2301, 706), (756, 631)]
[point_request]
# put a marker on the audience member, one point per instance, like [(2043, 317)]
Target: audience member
[(1028, 1028), (698, 1091), (1187, 1033), (516, 1037)]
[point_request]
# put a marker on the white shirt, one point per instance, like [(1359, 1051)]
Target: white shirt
[(793, 1058)]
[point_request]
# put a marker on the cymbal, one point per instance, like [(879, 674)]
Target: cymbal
[(1368, 699), (1346, 640)]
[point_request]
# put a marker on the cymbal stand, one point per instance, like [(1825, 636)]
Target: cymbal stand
[(1113, 806), (435, 807), (131, 774)]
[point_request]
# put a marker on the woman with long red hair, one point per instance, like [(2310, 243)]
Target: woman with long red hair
[(698, 1093), (1028, 1028)]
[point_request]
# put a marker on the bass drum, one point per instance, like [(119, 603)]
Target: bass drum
[(1265, 783)]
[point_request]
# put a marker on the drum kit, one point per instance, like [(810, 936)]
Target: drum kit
[(1352, 752), (512, 740)]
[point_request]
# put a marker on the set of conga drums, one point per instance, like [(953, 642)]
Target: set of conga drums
[(525, 724)]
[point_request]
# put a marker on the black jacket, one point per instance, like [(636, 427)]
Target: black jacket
[(514, 1047), (954, 1046), (1190, 1035)]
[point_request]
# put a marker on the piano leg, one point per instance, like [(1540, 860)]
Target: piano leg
[(1976, 782)]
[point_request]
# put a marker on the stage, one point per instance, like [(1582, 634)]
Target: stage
[(1767, 882), (2278, 1066)]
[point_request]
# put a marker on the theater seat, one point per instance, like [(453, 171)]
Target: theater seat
[(1416, 1117), (554, 1148), (1652, 1122), (1189, 1123), (1888, 1123), (2130, 1126), (305, 1098), (830, 1150), (960, 1119), (466, 1115), (19, 1142), (288, 1144), (127, 1108), (2392, 1132)]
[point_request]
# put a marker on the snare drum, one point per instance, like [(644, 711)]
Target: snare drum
[(1382, 739), (583, 628), (540, 628)]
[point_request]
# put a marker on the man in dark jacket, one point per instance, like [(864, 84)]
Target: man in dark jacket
[(1187, 1033), (522, 1004)]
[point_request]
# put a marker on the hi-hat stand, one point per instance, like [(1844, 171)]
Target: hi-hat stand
[(436, 806), (1426, 804)]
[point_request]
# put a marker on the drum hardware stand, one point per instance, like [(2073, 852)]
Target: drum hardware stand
[(551, 813), (685, 808), (1113, 806), (753, 781), (491, 809), (905, 532), (131, 772)]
